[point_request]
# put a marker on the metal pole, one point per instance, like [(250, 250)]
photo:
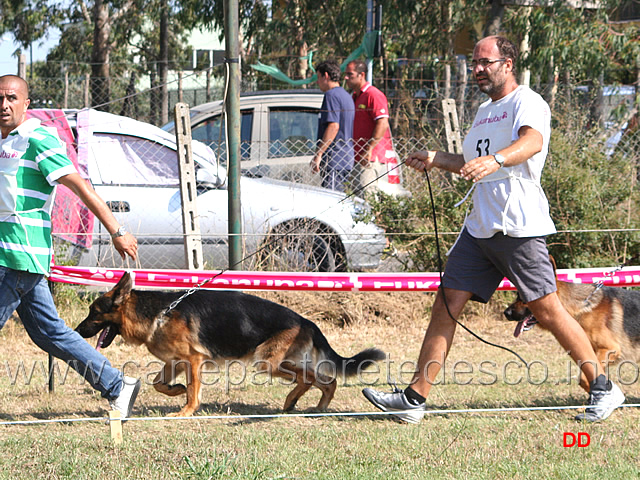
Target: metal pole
[(369, 61), (232, 109)]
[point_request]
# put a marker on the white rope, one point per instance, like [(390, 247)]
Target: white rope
[(310, 415)]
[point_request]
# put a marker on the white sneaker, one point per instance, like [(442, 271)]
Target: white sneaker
[(602, 402), (396, 402), (124, 402)]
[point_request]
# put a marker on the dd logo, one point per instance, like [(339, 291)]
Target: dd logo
[(571, 440)]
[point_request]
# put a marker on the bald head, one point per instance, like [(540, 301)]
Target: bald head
[(17, 82), (14, 101)]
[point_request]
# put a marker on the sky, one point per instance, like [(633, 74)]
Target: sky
[(9, 63)]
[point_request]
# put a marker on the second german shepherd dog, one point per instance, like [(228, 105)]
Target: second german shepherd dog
[(610, 316), (221, 325)]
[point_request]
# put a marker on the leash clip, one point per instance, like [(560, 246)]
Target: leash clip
[(600, 284)]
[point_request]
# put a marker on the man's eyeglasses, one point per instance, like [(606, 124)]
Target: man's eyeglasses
[(485, 62)]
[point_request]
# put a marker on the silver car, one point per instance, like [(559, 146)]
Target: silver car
[(133, 167), (278, 135)]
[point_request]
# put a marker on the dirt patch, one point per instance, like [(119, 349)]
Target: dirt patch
[(391, 308), (346, 309)]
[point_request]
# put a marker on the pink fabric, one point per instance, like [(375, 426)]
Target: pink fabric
[(71, 220), (362, 282)]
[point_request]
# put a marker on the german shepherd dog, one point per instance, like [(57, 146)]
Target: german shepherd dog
[(217, 326), (610, 316)]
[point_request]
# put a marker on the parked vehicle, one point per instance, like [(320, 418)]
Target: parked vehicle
[(278, 135), (133, 167)]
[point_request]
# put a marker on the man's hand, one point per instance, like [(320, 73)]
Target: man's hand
[(126, 245), (479, 167), (315, 163), (365, 158), (422, 160)]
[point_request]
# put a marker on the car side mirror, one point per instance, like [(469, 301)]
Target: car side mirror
[(206, 179)]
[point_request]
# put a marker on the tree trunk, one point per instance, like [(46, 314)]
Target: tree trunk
[(494, 18), (153, 97), (163, 64), (100, 82), (302, 64)]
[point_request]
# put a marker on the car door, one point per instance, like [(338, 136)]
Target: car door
[(211, 131), (293, 131)]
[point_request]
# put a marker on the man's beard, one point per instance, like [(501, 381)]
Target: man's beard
[(491, 86)]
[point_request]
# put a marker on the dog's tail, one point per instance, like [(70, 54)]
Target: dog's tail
[(330, 363)]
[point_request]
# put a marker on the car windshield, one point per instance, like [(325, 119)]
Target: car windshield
[(134, 161)]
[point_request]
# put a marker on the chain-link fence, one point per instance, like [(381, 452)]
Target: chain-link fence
[(296, 226)]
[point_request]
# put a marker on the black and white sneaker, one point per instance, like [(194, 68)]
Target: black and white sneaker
[(604, 398), (396, 401)]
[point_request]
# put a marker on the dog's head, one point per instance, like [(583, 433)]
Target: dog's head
[(105, 313), (519, 312)]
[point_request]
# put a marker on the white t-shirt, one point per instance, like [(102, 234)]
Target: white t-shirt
[(510, 200)]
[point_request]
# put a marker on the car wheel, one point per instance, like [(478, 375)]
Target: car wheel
[(292, 247)]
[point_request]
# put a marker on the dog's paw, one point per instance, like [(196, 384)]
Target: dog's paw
[(185, 412), (170, 390)]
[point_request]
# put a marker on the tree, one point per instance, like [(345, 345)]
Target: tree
[(28, 21)]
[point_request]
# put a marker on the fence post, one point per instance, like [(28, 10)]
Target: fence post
[(451, 126), (188, 191), (65, 103), (462, 88), (87, 80), (22, 65)]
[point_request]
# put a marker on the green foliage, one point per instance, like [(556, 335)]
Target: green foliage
[(409, 220), (589, 191), (579, 43)]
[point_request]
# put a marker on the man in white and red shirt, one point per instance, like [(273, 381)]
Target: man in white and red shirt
[(371, 135)]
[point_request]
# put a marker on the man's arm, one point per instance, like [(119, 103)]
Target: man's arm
[(529, 143), (329, 135), (126, 244), (426, 160), (380, 128)]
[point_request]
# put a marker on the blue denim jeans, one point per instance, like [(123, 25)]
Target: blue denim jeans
[(29, 295)]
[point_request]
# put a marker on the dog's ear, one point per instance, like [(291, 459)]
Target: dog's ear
[(122, 290), (553, 262)]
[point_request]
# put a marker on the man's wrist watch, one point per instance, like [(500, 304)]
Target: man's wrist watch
[(119, 233), (499, 159)]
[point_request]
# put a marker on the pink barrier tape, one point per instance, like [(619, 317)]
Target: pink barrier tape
[(335, 282)]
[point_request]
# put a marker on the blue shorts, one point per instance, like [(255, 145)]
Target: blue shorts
[(478, 265)]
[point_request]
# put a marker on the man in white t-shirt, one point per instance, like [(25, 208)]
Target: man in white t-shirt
[(503, 235)]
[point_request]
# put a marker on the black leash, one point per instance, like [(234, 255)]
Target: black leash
[(444, 296)]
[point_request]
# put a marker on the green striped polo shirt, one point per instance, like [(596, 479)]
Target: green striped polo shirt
[(32, 159)]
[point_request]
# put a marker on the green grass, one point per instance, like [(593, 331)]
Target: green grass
[(496, 445)]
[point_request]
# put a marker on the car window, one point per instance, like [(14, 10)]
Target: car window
[(128, 160), (212, 132), (292, 131)]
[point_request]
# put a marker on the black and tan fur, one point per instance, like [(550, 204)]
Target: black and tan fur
[(610, 316), (221, 325)]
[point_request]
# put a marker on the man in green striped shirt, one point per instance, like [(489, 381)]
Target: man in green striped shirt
[(33, 161)]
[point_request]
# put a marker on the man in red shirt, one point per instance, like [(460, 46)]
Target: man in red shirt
[(374, 154)]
